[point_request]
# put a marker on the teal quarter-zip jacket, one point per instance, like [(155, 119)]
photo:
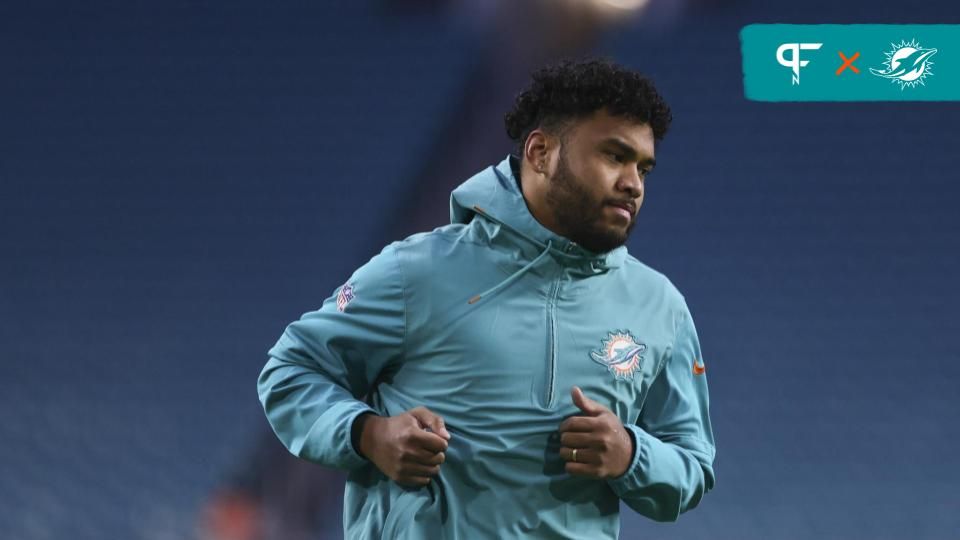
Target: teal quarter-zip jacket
[(489, 322)]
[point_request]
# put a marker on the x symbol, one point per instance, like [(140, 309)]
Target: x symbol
[(848, 62)]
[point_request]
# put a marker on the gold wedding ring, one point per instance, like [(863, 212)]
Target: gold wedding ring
[(574, 454)]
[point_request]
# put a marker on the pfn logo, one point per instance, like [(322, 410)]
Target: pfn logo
[(794, 62)]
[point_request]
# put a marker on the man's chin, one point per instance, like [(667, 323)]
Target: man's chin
[(602, 242)]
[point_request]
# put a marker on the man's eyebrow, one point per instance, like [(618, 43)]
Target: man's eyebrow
[(628, 150)]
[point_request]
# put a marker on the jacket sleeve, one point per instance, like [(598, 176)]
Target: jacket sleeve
[(672, 466), (324, 364)]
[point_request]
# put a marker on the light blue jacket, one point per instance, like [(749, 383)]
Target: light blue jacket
[(401, 333)]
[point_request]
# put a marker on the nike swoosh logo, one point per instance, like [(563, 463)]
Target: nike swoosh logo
[(699, 369)]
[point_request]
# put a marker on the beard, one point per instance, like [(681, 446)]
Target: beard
[(580, 215)]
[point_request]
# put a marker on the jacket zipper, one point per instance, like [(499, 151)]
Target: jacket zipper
[(552, 326)]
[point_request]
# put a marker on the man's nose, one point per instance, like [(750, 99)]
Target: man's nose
[(631, 183)]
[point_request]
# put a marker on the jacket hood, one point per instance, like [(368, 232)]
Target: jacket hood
[(494, 193)]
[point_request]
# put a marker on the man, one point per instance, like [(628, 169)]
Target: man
[(516, 373)]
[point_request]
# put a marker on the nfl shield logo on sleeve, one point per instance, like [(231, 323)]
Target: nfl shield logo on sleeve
[(344, 296)]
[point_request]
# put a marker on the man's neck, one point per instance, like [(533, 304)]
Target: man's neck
[(535, 197)]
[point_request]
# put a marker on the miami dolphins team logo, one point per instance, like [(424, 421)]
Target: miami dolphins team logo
[(620, 352), (908, 64)]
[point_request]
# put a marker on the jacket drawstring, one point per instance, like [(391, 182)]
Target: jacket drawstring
[(596, 266), (514, 276)]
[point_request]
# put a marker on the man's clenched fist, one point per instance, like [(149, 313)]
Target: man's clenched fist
[(408, 448), (603, 447)]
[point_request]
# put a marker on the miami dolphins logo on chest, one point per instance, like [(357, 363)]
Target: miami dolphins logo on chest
[(620, 353)]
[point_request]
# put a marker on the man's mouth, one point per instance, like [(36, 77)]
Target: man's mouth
[(624, 208)]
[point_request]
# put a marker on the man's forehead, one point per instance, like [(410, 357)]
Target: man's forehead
[(602, 126)]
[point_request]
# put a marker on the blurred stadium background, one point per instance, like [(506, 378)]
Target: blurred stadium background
[(179, 180)]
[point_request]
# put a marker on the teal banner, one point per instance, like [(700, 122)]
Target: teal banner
[(855, 62)]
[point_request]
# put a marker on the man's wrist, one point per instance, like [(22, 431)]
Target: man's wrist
[(632, 441), (356, 433)]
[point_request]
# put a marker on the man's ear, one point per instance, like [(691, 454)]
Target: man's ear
[(539, 151)]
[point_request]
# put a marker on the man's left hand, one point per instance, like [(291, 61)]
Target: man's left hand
[(603, 447)]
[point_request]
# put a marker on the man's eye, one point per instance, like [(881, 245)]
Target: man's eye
[(615, 157)]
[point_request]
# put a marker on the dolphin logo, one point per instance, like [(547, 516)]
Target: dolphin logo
[(620, 357), (620, 353), (907, 64)]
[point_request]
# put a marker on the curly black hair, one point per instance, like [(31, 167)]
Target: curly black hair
[(574, 89)]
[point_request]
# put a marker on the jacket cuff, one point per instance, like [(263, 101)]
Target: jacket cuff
[(630, 479), (336, 446)]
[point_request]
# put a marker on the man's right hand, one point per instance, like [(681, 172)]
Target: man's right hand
[(408, 448)]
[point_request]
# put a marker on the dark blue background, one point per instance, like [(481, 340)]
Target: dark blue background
[(179, 180)]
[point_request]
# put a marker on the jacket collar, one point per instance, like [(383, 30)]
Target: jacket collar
[(495, 194)]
